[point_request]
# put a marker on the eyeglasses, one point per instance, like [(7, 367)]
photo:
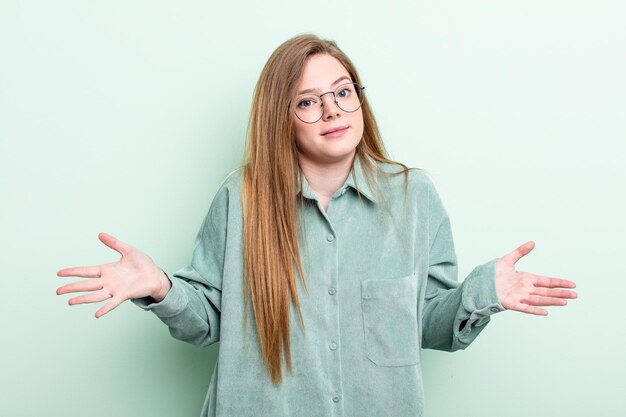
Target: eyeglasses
[(310, 108)]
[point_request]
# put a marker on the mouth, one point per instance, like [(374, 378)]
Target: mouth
[(335, 131)]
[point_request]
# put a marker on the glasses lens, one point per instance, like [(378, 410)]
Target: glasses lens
[(308, 108), (349, 97)]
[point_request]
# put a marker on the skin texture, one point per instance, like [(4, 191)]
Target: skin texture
[(134, 275), (527, 292), (326, 162)]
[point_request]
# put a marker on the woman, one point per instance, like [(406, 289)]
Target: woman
[(322, 267)]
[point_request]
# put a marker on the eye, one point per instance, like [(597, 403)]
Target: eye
[(305, 103), (345, 92)]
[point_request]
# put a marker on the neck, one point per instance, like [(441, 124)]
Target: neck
[(326, 179)]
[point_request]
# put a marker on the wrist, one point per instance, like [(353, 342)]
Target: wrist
[(164, 287)]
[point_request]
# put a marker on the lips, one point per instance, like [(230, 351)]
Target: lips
[(335, 130)]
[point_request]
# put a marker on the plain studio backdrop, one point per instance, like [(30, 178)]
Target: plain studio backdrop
[(125, 116)]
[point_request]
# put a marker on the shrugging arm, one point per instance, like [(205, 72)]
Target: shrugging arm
[(192, 307), (454, 314)]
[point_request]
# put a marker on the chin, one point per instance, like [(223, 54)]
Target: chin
[(339, 156), (330, 151)]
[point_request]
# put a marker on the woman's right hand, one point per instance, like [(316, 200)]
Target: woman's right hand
[(134, 276)]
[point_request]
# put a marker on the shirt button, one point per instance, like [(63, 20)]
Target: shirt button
[(333, 346), (336, 399), (330, 238), (494, 309), (332, 291)]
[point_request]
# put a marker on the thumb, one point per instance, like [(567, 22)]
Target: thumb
[(522, 250), (114, 243)]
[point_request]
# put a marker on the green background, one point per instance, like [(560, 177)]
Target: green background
[(125, 116)]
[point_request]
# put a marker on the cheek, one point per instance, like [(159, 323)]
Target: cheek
[(358, 124), (301, 132)]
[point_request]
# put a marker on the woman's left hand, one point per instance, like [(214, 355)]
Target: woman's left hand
[(526, 292)]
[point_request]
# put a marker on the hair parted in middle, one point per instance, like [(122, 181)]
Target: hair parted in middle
[(271, 249)]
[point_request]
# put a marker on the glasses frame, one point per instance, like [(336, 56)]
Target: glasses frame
[(359, 91)]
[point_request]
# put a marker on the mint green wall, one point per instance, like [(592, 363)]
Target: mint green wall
[(124, 116)]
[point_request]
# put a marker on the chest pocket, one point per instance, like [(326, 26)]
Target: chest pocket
[(390, 320)]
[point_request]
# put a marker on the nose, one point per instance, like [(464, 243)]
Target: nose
[(330, 109)]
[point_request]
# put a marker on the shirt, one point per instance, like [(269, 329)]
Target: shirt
[(381, 274)]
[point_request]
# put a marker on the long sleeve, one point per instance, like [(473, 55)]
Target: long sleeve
[(454, 314), (192, 307), (381, 274)]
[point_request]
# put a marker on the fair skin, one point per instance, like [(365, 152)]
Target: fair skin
[(326, 148), (326, 160), (134, 276)]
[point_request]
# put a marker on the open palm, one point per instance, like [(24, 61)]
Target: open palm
[(527, 292), (133, 276)]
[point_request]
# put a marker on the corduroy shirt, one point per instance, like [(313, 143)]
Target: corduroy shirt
[(381, 275)]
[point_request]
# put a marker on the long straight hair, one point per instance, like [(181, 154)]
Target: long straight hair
[(271, 249)]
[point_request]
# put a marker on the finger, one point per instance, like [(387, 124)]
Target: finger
[(109, 306), (81, 271), (537, 300), (91, 285), (528, 309), (90, 298), (550, 292), (517, 254), (541, 281), (114, 243)]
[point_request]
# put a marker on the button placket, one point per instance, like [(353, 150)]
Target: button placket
[(333, 342), (328, 242)]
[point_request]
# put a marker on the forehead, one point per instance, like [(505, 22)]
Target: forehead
[(320, 72)]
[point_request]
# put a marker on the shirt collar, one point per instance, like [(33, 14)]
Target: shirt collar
[(356, 180)]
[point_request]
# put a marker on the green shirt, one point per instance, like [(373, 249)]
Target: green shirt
[(381, 275)]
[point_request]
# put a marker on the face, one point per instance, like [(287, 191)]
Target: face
[(332, 139)]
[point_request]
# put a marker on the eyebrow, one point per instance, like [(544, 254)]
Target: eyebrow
[(311, 90)]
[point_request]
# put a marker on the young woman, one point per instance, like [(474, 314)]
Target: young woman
[(322, 267)]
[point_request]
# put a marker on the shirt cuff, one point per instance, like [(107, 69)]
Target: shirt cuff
[(480, 298), (174, 303)]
